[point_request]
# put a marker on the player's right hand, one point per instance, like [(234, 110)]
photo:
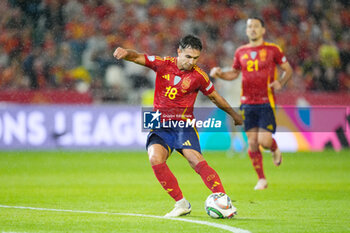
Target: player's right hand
[(120, 53), (215, 72), (238, 119)]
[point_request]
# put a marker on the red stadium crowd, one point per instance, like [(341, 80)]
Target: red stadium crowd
[(68, 44)]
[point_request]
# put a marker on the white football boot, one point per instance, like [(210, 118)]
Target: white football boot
[(262, 184), (277, 157), (182, 207)]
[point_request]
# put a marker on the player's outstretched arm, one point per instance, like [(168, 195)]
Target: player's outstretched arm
[(232, 74), (130, 55), (219, 101)]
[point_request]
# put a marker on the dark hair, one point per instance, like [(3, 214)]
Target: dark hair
[(190, 41), (258, 18)]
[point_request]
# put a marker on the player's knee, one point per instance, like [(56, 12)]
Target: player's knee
[(155, 159), (253, 145), (265, 142)]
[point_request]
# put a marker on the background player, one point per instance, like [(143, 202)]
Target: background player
[(178, 80), (257, 60)]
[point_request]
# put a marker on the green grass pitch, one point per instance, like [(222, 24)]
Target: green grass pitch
[(310, 192)]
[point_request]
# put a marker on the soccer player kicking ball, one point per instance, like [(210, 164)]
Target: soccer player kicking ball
[(257, 60), (178, 81)]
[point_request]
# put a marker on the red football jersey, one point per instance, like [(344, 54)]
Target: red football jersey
[(176, 90), (258, 67)]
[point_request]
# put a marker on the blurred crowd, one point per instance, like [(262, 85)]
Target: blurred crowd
[(68, 44)]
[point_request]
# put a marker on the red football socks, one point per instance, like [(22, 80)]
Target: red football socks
[(257, 161), (210, 177), (274, 145), (167, 179)]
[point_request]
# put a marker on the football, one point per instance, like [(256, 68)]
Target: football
[(219, 205)]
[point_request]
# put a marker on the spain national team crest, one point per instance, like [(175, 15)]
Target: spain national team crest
[(262, 54), (186, 83)]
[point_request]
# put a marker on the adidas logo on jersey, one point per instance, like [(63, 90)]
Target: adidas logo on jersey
[(167, 77), (187, 143)]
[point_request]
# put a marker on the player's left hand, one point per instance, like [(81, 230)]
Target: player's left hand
[(276, 85)]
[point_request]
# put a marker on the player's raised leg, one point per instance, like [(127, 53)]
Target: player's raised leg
[(268, 142), (157, 157), (209, 176), (256, 158)]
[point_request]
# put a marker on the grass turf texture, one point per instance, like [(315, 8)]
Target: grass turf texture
[(310, 192)]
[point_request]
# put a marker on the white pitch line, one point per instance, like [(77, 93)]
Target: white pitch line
[(216, 225)]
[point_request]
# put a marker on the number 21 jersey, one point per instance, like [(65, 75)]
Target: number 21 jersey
[(258, 67)]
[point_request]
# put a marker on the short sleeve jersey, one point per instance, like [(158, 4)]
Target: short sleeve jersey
[(258, 67), (176, 90)]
